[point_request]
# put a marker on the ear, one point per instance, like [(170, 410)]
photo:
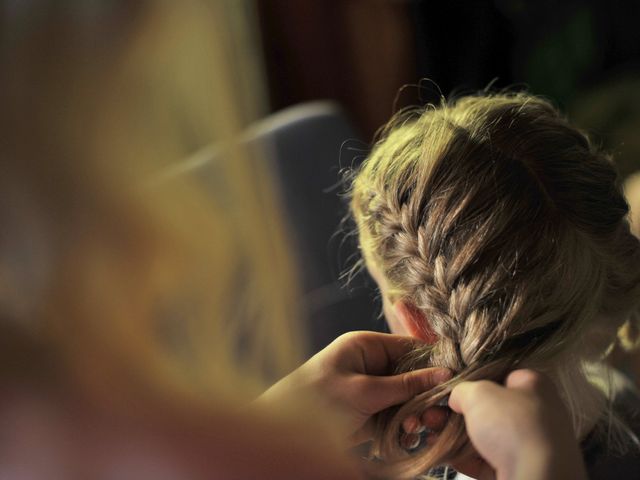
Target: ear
[(414, 321)]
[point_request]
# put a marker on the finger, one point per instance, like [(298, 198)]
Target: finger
[(435, 418), (409, 441), (384, 392), (459, 397), (413, 424), (525, 379), (375, 353), (431, 439), (465, 394)]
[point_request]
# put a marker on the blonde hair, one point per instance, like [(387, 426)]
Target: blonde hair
[(149, 284), (504, 225)]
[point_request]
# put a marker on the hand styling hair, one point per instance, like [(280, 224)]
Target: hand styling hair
[(505, 226)]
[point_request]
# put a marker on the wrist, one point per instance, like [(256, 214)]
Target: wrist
[(544, 462)]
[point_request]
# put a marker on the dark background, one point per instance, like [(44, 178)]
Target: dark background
[(361, 52)]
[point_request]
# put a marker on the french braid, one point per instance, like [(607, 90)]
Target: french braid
[(505, 227)]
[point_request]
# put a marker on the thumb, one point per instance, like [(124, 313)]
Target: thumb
[(392, 390), (525, 379)]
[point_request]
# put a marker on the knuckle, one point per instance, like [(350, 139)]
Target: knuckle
[(345, 337), (352, 337), (412, 384), (360, 394), (481, 388), (530, 379), (536, 380)]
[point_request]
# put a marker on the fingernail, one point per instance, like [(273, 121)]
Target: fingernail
[(409, 441), (411, 424)]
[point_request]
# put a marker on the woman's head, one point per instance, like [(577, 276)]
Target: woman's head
[(499, 232)]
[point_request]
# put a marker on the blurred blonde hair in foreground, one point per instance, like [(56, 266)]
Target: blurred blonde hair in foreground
[(133, 288)]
